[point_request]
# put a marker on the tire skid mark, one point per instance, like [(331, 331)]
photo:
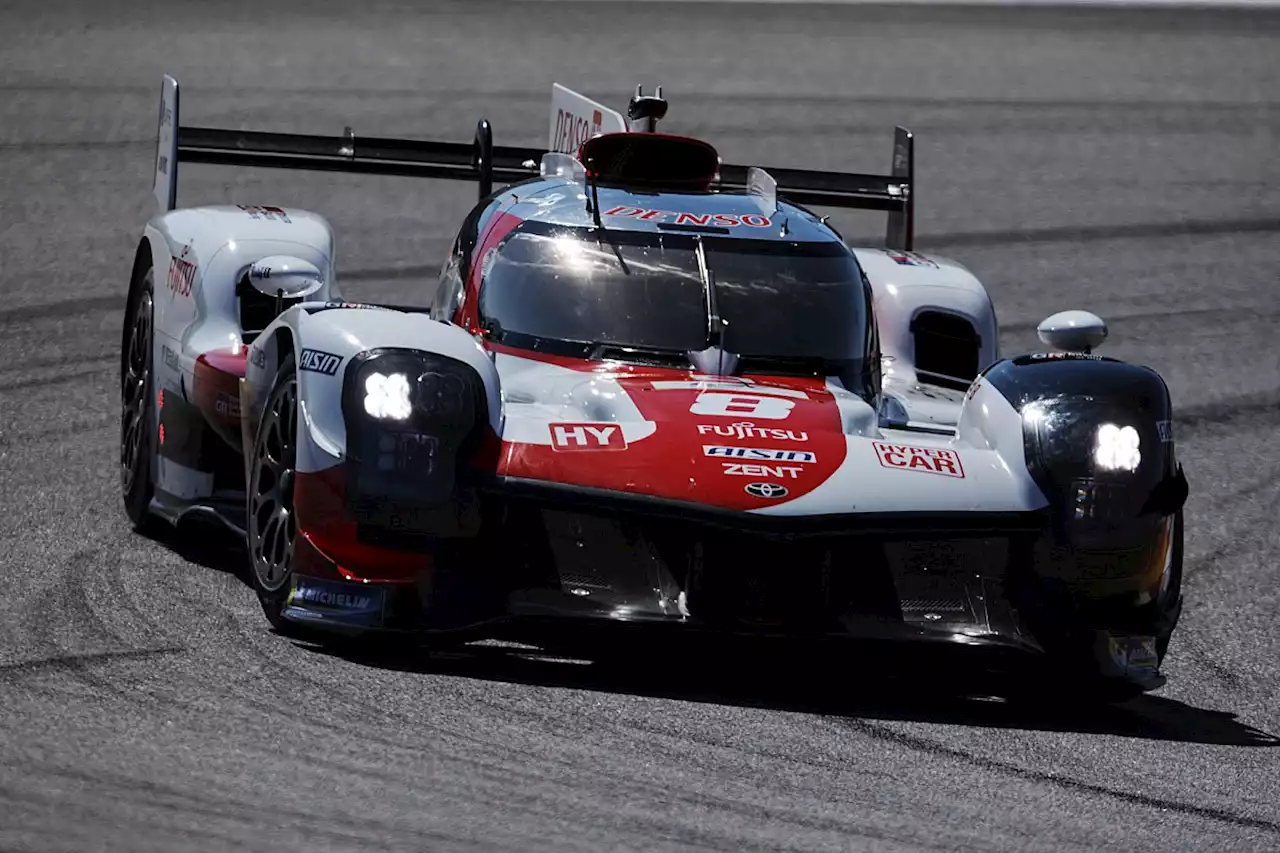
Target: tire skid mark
[(58, 663), (493, 763), (499, 755), (204, 803), (1234, 545), (1242, 407), (1242, 313), (106, 812), (1233, 541), (496, 757), (67, 603), (919, 744), (1125, 107), (1094, 233), (63, 431), (74, 144), (62, 361), (62, 308), (49, 381)]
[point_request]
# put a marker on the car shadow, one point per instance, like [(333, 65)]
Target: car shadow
[(795, 689), (205, 543)]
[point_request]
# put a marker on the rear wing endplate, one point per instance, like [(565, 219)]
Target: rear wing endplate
[(487, 164)]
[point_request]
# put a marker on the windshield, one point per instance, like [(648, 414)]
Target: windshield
[(781, 300)]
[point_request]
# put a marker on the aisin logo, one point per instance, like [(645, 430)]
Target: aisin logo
[(766, 490)]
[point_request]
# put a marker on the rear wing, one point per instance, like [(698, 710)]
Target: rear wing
[(574, 118)]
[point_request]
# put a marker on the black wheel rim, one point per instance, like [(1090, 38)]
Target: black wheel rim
[(133, 394), (272, 526)]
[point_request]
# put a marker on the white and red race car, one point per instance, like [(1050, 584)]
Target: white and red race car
[(651, 389)]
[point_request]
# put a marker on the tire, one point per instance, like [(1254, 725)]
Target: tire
[(271, 528), (1169, 606), (1077, 679), (136, 396)]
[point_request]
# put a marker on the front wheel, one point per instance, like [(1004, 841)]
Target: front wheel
[(1088, 671), (271, 525)]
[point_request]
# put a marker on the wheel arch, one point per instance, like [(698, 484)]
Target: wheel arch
[(142, 257), (259, 377)]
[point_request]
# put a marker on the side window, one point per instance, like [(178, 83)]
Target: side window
[(453, 275), (449, 290)]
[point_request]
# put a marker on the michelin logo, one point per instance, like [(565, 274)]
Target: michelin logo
[(312, 598)]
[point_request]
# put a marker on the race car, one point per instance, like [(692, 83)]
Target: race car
[(651, 389)]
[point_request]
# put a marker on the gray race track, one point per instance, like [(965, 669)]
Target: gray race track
[(1120, 161)]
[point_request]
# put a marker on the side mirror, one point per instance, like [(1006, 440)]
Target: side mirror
[(285, 277), (1073, 331)]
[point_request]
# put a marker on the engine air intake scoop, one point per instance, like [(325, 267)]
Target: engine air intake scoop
[(651, 161)]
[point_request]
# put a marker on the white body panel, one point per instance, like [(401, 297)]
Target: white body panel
[(199, 314), (526, 397), (903, 288), (195, 306), (346, 332)]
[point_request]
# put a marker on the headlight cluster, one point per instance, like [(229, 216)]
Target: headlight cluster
[(433, 393), (1098, 461), (1098, 439), (411, 417)]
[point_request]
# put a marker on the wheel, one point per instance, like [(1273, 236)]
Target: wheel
[(1077, 676), (1169, 605), (271, 525), (135, 399)]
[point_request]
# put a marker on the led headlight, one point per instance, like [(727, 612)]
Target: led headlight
[(1097, 443), (1098, 461), (413, 426), (1117, 448), (387, 396)]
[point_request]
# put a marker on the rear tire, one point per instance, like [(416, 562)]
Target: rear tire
[(136, 395)]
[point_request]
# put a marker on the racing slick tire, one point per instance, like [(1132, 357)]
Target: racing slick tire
[(1080, 683), (136, 393), (271, 527)]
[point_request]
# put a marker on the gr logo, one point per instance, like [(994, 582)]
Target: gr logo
[(587, 437), (319, 362)]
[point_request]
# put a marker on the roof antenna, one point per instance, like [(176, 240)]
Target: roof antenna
[(645, 111)]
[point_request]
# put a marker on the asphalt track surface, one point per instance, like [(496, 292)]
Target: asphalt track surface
[(1121, 161)]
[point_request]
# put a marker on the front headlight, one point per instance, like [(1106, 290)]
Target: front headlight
[(1098, 462), (387, 396), (1117, 448), (412, 421)]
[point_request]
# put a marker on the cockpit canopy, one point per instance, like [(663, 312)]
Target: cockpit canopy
[(787, 307)]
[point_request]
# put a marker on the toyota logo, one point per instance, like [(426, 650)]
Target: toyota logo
[(766, 490)]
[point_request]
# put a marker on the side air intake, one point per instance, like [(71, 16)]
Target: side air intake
[(947, 349)]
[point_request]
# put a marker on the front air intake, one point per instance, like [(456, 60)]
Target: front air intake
[(947, 349)]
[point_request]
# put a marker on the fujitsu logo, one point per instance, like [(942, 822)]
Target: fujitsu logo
[(745, 429)]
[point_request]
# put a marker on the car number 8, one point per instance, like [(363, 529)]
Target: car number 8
[(741, 406)]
